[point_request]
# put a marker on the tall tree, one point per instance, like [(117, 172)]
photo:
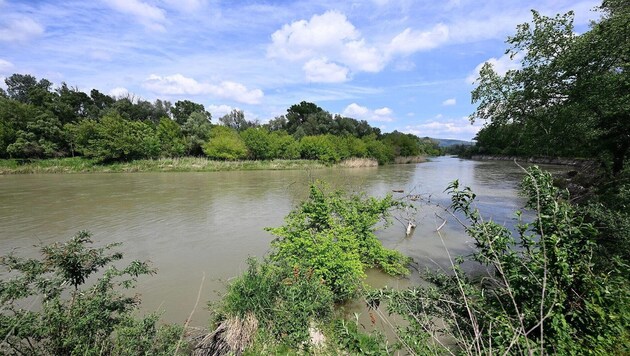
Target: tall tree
[(571, 95)]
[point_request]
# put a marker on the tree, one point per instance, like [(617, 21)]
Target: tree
[(184, 108), (196, 129), (298, 114), (118, 139), (26, 89), (235, 120), (172, 143), (571, 94)]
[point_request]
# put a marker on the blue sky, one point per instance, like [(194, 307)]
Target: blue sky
[(399, 64)]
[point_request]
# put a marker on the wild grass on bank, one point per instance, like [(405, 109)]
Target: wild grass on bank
[(183, 164), (410, 159)]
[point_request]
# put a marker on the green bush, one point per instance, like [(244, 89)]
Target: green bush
[(118, 139), (319, 148), (225, 144), (334, 235), (172, 143), (541, 294), (75, 318), (258, 143), (283, 145)]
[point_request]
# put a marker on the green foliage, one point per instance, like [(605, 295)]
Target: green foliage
[(541, 293), (258, 143), (197, 131), (283, 146), (334, 235), (74, 318), (320, 148), (570, 96), (225, 144), (118, 139), (41, 138), (284, 300), (172, 143), (183, 109), (377, 149), (235, 120), (349, 338)]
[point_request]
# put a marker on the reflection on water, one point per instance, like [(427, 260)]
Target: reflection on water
[(191, 224)]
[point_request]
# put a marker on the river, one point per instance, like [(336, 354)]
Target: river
[(194, 224)]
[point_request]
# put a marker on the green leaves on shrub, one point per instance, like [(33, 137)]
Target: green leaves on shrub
[(63, 316)]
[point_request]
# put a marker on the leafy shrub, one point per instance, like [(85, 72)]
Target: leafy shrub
[(74, 318), (172, 143), (283, 145), (541, 294), (118, 139), (320, 148), (225, 144), (258, 143), (334, 235)]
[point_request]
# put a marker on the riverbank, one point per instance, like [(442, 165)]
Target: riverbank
[(562, 161), (184, 164)]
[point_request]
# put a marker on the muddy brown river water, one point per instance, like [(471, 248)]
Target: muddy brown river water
[(194, 224)]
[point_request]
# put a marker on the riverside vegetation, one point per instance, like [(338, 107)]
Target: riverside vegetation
[(40, 127), (555, 284)]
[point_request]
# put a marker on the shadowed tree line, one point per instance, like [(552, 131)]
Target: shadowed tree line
[(39, 121)]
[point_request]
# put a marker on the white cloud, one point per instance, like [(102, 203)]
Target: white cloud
[(329, 34), (18, 29), (152, 17), (450, 128), (410, 41), (359, 112), (179, 85), (501, 66), (449, 102), (5, 66), (119, 92), (322, 71), (218, 111)]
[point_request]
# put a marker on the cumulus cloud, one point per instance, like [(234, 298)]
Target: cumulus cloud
[(322, 71), (449, 102), (20, 28), (218, 111), (179, 85), (438, 127), (329, 34), (119, 92), (359, 112), (152, 17), (500, 65), (410, 41)]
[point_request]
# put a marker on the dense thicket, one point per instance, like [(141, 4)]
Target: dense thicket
[(37, 121), (571, 95)]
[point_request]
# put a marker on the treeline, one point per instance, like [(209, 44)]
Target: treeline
[(37, 121), (569, 97)]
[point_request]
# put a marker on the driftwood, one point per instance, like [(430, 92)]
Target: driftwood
[(411, 227), (232, 337)]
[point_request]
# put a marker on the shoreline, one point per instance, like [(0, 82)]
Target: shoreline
[(78, 165)]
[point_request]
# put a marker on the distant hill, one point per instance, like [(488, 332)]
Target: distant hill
[(447, 142)]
